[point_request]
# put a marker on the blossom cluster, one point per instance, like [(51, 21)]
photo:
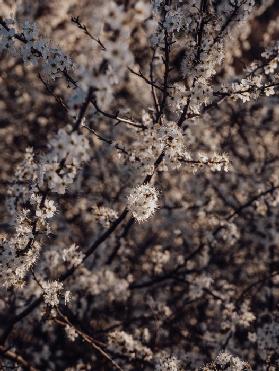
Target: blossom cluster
[(33, 49)]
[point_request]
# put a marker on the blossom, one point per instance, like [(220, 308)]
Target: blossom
[(51, 292), (121, 341), (226, 361), (167, 363), (71, 333), (73, 255), (104, 215), (143, 201), (172, 140), (69, 148), (47, 210), (50, 208), (231, 363)]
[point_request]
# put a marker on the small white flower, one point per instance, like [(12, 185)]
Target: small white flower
[(71, 333), (49, 208)]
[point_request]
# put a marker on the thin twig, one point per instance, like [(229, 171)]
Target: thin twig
[(87, 338), (84, 28)]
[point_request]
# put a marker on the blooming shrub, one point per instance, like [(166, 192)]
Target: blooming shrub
[(140, 185)]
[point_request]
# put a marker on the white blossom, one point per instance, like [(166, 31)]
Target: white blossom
[(73, 255), (143, 201), (52, 290), (71, 333)]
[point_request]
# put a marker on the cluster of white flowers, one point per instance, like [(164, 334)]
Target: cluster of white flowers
[(30, 208), (173, 20), (259, 78), (142, 202), (24, 185), (271, 55), (215, 161), (246, 316), (73, 255), (233, 317), (67, 151), (52, 290), (145, 147), (200, 94), (204, 42), (32, 49), (226, 361), (167, 363), (45, 211), (122, 342), (20, 251), (155, 259), (15, 262), (104, 215), (195, 97), (199, 284), (55, 170), (155, 139), (230, 363), (171, 138)]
